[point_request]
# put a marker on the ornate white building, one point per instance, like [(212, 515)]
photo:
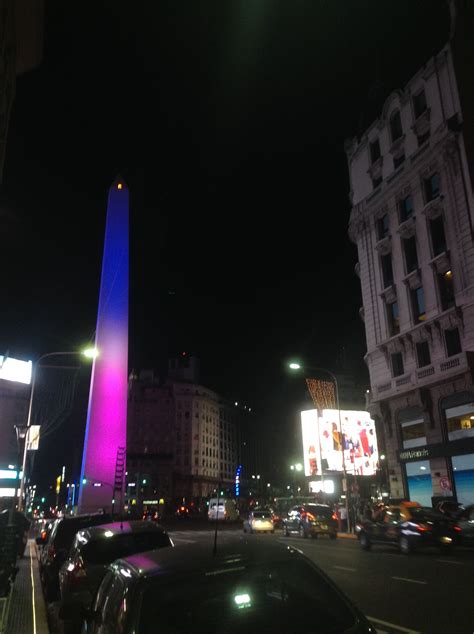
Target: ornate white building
[(412, 221)]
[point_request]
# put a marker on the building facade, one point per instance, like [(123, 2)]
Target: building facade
[(181, 439), (412, 222)]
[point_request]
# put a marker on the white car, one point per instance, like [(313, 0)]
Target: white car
[(259, 522)]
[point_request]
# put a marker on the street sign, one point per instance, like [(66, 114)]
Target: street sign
[(445, 484), (33, 437)]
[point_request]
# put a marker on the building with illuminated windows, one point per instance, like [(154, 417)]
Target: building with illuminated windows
[(412, 221), (181, 436)]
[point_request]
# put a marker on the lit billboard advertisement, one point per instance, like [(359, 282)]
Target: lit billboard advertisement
[(323, 446), (15, 370)]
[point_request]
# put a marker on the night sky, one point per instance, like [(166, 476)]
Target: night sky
[(228, 120)]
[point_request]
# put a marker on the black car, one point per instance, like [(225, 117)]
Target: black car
[(311, 520), (408, 526), (96, 547), (57, 547), (465, 526), (449, 508), (247, 586)]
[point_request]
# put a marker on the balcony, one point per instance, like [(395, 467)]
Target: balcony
[(422, 377)]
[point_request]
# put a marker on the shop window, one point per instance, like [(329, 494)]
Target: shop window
[(405, 207), (387, 270), (374, 151), (383, 227), (463, 470), (418, 305), (419, 103), (423, 356), (397, 364), (396, 130), (460, 422), (453, 342), (413, 433), (446, 289), (393, 319), (420, 488), (411, 255), (432, 187), (438, 237)]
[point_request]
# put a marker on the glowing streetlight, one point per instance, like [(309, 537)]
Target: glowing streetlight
[(294, 366), (91, 353)]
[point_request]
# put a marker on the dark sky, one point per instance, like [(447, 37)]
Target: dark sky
[(228, 120)]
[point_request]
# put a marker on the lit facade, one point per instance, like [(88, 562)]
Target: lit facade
[(412, 222)]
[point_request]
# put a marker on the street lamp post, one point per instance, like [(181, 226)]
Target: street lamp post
[(90, 353), (297, 366)]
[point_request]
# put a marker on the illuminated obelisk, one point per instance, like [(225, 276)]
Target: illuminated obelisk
[(106, 428)]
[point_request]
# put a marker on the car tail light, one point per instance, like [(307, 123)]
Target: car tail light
[(422, 527), (457, 528), (310, 516), (43, 535), (76, 571), (334, 516)]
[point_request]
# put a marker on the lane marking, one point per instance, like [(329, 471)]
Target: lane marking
[(183, 541), (344, 568), (399, 628), (450, 561), (423, 583), (33, 603)]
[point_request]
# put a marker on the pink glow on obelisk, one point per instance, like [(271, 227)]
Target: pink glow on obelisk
[(106, 428)]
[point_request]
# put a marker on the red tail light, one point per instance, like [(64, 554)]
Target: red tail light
[(183, 508), (422, 527), (457, 528), (334, 516), (43, 535), (76, 571)]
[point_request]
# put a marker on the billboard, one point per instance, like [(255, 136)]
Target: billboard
[(15, 370), (324, 448)]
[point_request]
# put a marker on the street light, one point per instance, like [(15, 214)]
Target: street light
[(294, 365), (89, 353)]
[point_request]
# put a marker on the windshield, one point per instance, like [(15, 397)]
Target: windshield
[(262, 515), (286, 596), (108, 549), (318, 511)]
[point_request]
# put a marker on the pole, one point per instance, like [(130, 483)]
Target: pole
[(28, 425), (217, 516), (344, 474)]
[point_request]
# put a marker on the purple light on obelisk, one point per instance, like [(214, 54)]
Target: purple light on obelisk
[(106, 428)]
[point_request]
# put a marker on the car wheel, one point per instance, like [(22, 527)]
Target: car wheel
[(285, 532), (364, 542), (303, 532), (405, 545)]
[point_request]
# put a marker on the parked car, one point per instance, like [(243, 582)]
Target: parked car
[(248, 586), (465, 526), (311, 520), (408, 526), (96, 547), (259, 522), (56, 550)]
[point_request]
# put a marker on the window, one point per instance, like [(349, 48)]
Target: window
[(460, 421), (418, 305), (396, 125), (413, 433), (387, 270), (405, 207), (438, 238), (374, 151), (422, 138), (419, 103), (423, 354), (397, 364), (376, 182), (393, 319), (446, 289), (411, 256), (398, 160), (383, 227), (432, 187), (453, 341)]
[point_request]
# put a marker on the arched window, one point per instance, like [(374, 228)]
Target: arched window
[(396, 130)]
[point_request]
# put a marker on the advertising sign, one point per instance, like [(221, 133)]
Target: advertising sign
[(324, 447), (33, 438), (15, 370)]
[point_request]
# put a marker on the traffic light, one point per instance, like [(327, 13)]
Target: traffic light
[(43, 500), (84, 480)]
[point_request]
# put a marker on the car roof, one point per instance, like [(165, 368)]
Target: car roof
[(193, 558), (120, 528)]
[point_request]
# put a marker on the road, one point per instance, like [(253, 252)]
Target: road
[(424, 592)]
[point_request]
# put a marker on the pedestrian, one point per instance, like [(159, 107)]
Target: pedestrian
[(343, 516)]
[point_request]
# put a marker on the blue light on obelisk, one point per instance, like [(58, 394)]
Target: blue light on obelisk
[(106, 428)]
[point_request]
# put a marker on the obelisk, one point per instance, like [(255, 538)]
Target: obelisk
[(106, 427)]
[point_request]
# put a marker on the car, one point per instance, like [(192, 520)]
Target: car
[(408, 526), (246, 586), (151, 515), (464, 526), (311, 520), (449, 508), (259, 522), (56, 549), (222, 509), (94, 548)]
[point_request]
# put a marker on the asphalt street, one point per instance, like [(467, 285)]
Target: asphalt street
[(425, 592)]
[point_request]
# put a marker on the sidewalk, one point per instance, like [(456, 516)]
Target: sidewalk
[(27, 607), (347, 535)]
